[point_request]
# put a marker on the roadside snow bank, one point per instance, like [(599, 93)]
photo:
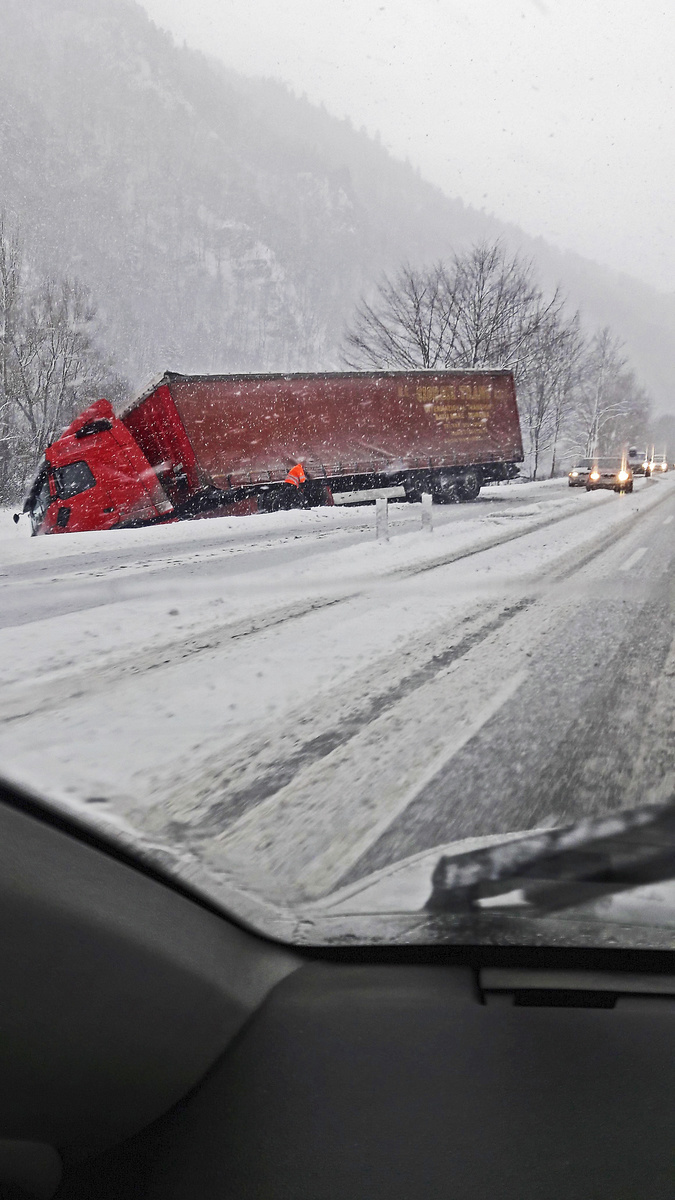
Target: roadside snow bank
[(9, 530)]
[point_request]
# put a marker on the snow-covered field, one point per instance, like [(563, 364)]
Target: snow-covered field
[(260, 700)]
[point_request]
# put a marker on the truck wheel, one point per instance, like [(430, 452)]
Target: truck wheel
[(268, 502), (281, 498), (469, 487), (444, 488), (316, 493)]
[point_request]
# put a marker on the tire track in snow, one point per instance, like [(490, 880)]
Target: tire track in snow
[(206, 820), (54, 689), (300, 843)]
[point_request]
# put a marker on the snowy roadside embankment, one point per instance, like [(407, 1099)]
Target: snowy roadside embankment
[(10, 530)]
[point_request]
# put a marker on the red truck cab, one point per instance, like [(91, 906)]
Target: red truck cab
[(94, 477)]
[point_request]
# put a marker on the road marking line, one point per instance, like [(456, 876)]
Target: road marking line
[(634, 558), (306, 837), (668, 520), (303, 840), (486, 714), (334, 863)]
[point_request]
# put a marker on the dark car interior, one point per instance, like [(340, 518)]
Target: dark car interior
[(152, 1047)]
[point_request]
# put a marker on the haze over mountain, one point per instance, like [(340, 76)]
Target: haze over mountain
[(222, 223)]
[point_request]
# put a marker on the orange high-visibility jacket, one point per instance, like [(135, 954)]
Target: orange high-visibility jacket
[(296, 475)]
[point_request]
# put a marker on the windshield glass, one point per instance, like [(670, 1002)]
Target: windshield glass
[(378, 573), (72, 479), (39, 498)]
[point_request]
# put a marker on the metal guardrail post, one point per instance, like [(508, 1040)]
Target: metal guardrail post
[(382, 519)]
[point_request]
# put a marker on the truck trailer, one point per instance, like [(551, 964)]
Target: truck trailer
[(216, 445)]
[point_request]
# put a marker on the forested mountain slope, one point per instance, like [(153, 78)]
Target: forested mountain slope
[(222, 223)]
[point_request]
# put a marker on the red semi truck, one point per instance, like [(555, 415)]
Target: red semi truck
[(212, 445)]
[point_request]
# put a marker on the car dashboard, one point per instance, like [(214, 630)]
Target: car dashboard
[(153, 1047)]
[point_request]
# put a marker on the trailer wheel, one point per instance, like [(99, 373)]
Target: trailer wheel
[(283, 497), (268, 502), (444, 488), (316, 493), (469, 486)]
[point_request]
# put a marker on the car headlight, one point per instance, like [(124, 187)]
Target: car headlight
[(644, 466), (622, 476), (595, 475), (664, 466), (574, 474)]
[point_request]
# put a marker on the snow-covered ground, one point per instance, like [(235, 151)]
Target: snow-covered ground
[(262, 699), (11, 530)]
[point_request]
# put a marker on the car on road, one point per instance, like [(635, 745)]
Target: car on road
[(580, 472), (657, 464), (638, 461), (612, 474)]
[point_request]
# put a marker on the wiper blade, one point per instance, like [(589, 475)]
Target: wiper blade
[(562, 868)]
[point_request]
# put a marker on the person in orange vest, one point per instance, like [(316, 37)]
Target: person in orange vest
[(296, 475), (294, 490)]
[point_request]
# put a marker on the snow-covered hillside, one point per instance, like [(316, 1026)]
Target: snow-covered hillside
[(222, 223)]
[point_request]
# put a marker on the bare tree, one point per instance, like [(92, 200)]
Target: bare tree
[(50, 363), (10, 290), (612, 407), (486, 310), (570, 353), (409, 325), (548, 388), (56, 364), (499, 310), (482, 310)]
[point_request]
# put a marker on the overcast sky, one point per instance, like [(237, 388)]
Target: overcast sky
[(555, 114)]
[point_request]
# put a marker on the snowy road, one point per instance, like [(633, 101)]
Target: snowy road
[(285, 703)]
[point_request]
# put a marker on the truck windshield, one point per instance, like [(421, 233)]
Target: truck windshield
[(74, 478)]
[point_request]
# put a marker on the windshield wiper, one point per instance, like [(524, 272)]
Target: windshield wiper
[(561, 868)]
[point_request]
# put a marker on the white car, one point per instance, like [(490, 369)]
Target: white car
[(580, 472)]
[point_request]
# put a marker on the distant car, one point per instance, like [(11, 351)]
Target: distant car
[(580, 472), (658, 463), (612, 474)]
